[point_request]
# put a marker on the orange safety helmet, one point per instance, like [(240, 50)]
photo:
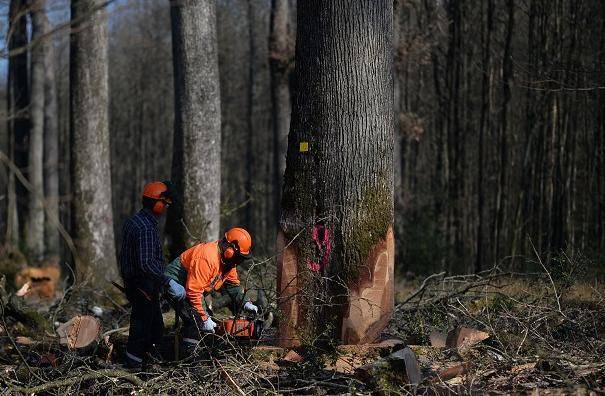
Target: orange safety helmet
[(160, 192), (240, 241)]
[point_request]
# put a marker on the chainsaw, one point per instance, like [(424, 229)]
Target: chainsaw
[(249, 327), (241, 328)]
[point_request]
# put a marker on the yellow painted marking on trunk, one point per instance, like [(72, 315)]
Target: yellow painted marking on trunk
[(304, 147)]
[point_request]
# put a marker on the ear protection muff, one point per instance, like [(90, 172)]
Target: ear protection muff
[(230, 251), (159, 207)]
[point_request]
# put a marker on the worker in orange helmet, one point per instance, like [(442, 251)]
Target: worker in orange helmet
[(142, 269), (208, 267)]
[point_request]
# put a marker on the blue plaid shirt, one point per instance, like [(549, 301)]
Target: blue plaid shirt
[(141, 253)]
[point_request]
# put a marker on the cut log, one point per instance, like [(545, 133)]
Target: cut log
[(43, 281), (79, 332)]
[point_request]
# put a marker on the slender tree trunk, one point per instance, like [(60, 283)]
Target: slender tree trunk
[(234, 64), (90, 158), (18, 124), (34, 229), (51, 142), (261, 211), (501, 237), (337, 203), (484, 124), (281, 63), (196, 165)]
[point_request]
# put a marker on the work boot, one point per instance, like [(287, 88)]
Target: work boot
[(190, 346), (133, 362), (154, 356)]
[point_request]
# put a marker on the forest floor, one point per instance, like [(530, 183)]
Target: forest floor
[(496, 333)]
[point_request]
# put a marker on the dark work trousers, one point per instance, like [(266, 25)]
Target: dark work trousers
[(146, 322), (192, 320)]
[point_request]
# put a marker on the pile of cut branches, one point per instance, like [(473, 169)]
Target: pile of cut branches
[(493, 331)]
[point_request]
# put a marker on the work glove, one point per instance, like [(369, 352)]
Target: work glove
[(175, 290), (248, 306), (208, 325)]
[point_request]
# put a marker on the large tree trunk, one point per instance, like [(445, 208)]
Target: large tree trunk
[(337, 204), (196, 164), (34, 229), (90, 159), (18, 124), (261, 211), (51, 142)]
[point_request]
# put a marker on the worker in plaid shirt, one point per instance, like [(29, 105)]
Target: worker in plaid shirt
[(142, 267)]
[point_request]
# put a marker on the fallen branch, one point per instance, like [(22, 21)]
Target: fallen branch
[(107, 373), (225, 375), (423, 286)]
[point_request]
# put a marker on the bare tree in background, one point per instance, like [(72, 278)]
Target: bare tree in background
[(262, 208), (51, 139), (34, 226), (337, 204), (281, 63), (90, 160), (196, 164), (233, 33), (18, 122)]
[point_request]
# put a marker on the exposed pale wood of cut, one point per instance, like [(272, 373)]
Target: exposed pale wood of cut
[(79, 332)]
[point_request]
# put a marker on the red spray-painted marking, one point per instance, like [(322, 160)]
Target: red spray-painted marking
[(321, 237)]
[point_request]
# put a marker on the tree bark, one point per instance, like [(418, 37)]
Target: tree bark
[(234, 64), (90, 159), (51, 141), (196, 166), (34, 229), (261, 211), (281, 63), (486, 87), (18, 124), (337, 204)]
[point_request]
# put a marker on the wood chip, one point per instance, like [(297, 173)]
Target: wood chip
[(453, 372), (523, 367), (412, 368), (24, 340), (23, 290), (292, 356), (437, 339), (464, 337)]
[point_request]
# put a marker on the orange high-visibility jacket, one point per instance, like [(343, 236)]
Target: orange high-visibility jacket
[(204, 273)]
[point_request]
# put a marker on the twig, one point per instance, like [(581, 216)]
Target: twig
[(422, 287), (15, 344), (552, 282), (225, 375), (51, 216)]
